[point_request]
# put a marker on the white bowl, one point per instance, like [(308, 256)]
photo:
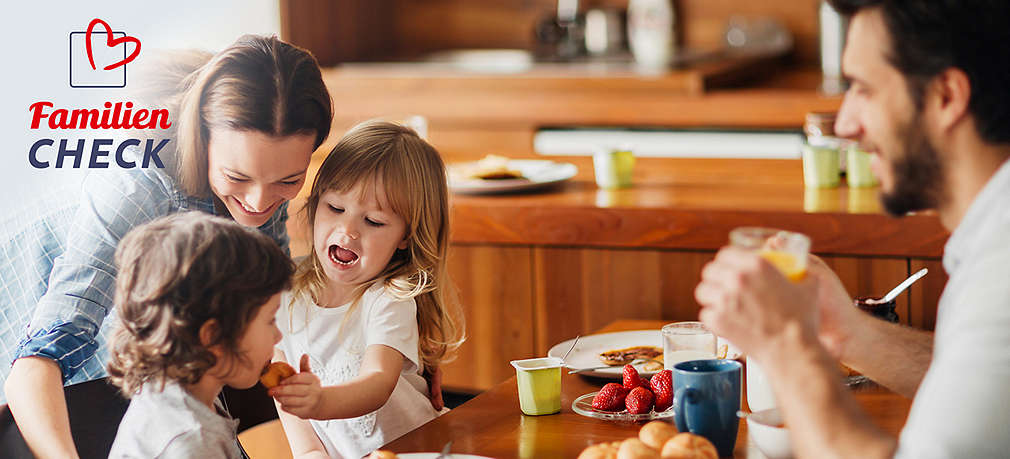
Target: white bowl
[(771, 440)]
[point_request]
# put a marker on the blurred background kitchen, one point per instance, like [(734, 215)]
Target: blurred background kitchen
[(711, 96)]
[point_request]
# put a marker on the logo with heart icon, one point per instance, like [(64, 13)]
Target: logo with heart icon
[(98, 56)]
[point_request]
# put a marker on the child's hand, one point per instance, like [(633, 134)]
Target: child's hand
[(300, 394)]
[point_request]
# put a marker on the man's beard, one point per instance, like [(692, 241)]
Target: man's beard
[(918, 175)]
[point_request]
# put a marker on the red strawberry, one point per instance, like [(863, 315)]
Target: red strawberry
[(662, 387), (639, 401), (610, 398), (631, 378)]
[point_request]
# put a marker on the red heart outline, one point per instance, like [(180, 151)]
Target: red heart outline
[(110, 42)]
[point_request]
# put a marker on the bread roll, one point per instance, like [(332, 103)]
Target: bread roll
[(656, 433), (601, 451), (687, 445), (633, 448)]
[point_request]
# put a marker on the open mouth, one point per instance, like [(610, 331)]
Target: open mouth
[(342, 256), (252, 212)]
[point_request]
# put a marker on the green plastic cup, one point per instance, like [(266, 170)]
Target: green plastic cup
[(859, 174), (539, 382), (820, 167), (613, 168)]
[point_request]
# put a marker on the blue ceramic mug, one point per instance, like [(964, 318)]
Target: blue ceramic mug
[(706, 397)]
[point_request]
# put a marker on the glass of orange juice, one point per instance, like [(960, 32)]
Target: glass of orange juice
[(786, 250)]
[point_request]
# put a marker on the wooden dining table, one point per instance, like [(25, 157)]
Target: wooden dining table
[(491, 424)]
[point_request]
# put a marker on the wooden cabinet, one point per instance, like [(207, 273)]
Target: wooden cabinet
[(579, 290), (495, 290), (519, 301)]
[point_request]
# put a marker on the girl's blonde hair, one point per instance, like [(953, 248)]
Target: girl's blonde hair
[(414, 179), (177, 273), (257, 84)]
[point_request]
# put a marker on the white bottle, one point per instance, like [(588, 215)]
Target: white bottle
[(833, 29), (650, 33)]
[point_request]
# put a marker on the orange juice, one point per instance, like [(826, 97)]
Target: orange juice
[(786, 262)]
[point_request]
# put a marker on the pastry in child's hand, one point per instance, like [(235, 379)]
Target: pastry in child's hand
[(686, 445), (656, 433), (382, 455), (275, 373)]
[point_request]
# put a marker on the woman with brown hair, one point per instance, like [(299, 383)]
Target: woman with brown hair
[(246, 123)]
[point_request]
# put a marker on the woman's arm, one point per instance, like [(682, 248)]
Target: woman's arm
[(62, 334), (302, 396), (35, 395), (302, 438)]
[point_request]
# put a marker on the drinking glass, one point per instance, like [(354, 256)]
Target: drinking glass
[(683, 341), (784, 249)]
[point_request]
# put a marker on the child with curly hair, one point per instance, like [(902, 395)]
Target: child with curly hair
[(196, 298)]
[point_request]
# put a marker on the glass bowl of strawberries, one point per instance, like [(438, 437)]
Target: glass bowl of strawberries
[(636, 399)]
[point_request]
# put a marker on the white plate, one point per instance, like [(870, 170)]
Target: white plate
[(587, 353), (434, 455), (536, 173)]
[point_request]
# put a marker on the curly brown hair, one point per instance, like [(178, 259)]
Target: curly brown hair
[(177, 273)]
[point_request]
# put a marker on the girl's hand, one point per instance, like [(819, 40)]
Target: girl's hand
[(434, 378), (300, 394)]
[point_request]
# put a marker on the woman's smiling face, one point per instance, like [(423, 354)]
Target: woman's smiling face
[(253, 173)]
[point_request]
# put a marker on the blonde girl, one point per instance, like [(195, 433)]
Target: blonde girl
[(368, 311)]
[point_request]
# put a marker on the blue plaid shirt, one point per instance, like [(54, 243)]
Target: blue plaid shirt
[(58, 265)]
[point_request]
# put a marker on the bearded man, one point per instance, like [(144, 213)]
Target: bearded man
[(929, 98)]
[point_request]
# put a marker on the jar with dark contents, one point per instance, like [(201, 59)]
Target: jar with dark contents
[(878, 308)]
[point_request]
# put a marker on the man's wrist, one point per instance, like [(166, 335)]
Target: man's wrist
[(783, 348)]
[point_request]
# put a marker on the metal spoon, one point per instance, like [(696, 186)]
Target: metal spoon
[(570, 349), (445, 450), (902, 286)]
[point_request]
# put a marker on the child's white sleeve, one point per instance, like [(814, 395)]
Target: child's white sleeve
[(393, 323)]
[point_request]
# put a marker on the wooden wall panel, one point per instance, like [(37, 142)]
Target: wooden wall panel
[(348, 30), (704, 21), (340, 30), (495, 291), (925, 294), (580, 290), (444, 24), (864, 276), (682, 274)]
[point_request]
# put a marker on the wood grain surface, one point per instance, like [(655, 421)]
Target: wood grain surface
[(492, 424)]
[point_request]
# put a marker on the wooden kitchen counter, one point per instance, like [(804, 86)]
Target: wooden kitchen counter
[(693, 204)]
